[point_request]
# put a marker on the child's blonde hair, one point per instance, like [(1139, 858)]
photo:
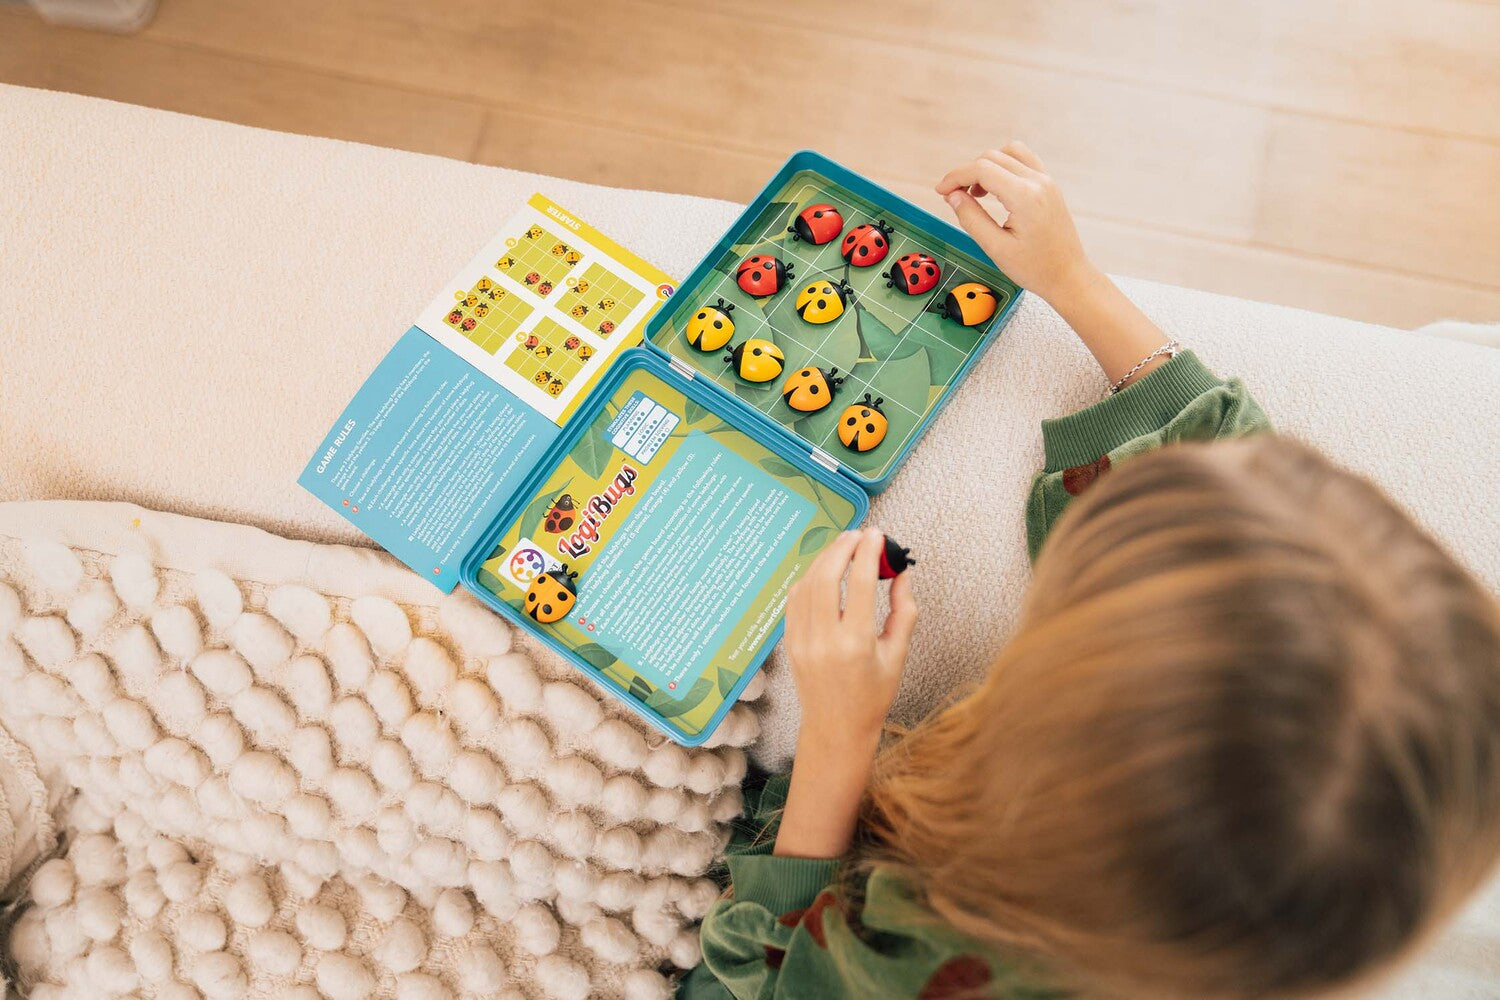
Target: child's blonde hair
[(1245, 743)]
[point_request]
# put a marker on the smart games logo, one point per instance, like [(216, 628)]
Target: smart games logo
[(527, 562)]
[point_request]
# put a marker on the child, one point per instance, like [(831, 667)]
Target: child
[(1245, 742)]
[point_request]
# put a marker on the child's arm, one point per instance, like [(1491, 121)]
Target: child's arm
[(1037, 245), (847, 674), (782, 931), (1163, 399)]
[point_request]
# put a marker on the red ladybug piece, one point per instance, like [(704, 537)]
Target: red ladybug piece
[(914, 273), (867, 244), (817, 224), (761, 275), (894, 559)]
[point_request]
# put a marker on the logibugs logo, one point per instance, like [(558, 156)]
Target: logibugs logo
[(526, 563), (596, 511)]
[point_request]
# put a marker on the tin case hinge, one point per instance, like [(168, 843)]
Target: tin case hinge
[(824, 459), (681, 367)]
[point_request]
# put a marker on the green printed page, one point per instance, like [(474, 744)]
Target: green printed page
[(685, 534)]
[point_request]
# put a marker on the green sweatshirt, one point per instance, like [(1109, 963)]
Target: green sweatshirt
[(785, 931)]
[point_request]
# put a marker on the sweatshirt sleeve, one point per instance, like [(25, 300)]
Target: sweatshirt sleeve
[(1180, 401)]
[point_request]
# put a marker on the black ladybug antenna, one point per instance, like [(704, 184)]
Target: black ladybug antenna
[(726, 307), (834, 380), (729, 354)]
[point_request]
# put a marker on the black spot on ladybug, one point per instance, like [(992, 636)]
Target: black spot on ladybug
[(546, 609), (562, 595), (756, 352), (911, 279), (704, 315), (870, 428), (879, 242), (817, 215), (863, 413), (813, 389), (822, 303), (865, 251), (719, 323), (850, 421), (969, 294), (931, 269)]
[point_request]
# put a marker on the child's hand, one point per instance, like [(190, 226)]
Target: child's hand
[(847, 671), (1037, 245)]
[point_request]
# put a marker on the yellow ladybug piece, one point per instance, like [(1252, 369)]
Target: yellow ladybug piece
[(863, 425), (606, 303), (585, 352), (542, 350), (808, 390), (551, 596), (756, 360), (823, 301), (579, 311), (581, 287), (505, 263), (542, 377), (534, 232), (572, 256), (558, 249), (555, 388), (711, 327), (482, 310), (970, 303)]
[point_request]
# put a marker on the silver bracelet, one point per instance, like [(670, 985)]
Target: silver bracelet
[(1170, 349)]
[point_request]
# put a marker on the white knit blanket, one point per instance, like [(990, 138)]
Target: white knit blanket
[(283, 769)]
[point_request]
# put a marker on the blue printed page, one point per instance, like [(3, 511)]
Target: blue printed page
[(425, 454)]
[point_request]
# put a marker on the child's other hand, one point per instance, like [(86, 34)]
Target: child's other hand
[(1037, 245), (847, 671)]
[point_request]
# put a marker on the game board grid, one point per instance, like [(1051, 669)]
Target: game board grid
[(903, 243), (601, 282), (561, 364), (496, 314), (534, 254)]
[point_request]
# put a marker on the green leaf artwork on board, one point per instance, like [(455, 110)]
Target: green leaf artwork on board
[(779, 468), (641, 689), (815, 538), (673, 709), (693, 412), (597, 656), (727, 680), (489, 581), (593, 451)]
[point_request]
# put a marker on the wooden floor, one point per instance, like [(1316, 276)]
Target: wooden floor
[(1321, 153)]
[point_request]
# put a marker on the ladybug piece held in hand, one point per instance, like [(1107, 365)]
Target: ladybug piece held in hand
[(823, 301), (561, 515), (756, 360), (711, 328), (552, 595), (862, 426), (817, 224), (866, 245), (970, 304), (761, 275), (894, 560), (808, 390), (914, 273)]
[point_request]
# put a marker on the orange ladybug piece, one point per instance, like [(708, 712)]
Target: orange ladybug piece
[(863, 425), (761, 275), (809, 390), (551, 596)]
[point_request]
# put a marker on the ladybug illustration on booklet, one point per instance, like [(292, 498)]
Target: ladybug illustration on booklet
[(636, 470)]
